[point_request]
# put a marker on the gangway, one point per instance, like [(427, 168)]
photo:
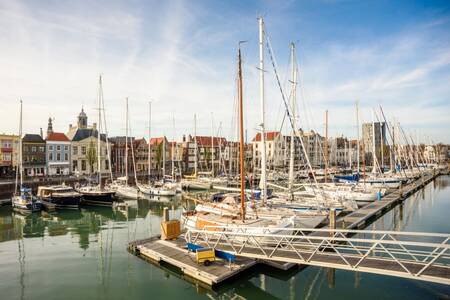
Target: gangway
[(412, 255)]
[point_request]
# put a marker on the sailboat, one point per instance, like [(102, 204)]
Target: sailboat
[(162, 189), (194, 181), (23, 200), (98, 194), (234, 211), (123, 189)]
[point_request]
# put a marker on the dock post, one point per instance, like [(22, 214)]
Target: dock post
[(332, 217), (165, 214), (401, 190)]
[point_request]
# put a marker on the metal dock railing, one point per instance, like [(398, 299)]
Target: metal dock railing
[(413, 255)]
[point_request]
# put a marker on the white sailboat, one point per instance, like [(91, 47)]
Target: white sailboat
[(156, 189), (123, 189), (23, 200)]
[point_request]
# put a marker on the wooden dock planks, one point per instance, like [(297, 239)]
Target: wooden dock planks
[(174, 253)]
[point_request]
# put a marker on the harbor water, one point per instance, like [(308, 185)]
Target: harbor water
[(82, 255)]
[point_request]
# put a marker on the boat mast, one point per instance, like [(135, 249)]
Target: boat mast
[(99, 162), (357, 137), (164, 156), (126, 142), (195, 146), (326, 145), (149, 156), (293, 104), (382, 146), (241, 133), (173, 146), (108, 151), (212, 144), (263, 180), (20, 171), (374, 155)]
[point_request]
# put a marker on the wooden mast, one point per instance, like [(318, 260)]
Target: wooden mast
[(241, 133)]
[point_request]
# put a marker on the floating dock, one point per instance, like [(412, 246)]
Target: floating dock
[(175, 253)]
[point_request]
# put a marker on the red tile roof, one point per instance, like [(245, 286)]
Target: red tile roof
[(270, 136), (57, 137), (206, 140), (156, 141)]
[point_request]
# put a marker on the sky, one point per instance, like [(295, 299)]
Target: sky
[(181, 56)]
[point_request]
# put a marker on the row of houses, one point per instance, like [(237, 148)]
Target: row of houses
[(75, 152)]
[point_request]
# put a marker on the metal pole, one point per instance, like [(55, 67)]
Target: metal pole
[(263, 179)]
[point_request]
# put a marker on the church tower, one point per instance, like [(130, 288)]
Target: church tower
[(49, 127), (82, 119)]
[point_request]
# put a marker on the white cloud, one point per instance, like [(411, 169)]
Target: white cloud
[(174, 53)]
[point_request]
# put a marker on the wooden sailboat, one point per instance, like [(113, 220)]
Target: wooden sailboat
[(234, 211)]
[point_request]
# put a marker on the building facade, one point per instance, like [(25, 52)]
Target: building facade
[(274, 149), (368, 129), (9, 154), (34, 155), (84, 144), (58, 154)]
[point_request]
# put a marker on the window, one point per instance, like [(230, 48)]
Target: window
[(83, 165), (6, 156), (33, 149), (58, 156), (83, 150), (50, 148), (106, 165), (75, 150), (42, 149), (58, 148), (66, 148), (50, 156), (66, 156), (74, 165)]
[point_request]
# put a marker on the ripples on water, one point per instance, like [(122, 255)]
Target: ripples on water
[(82, 255)]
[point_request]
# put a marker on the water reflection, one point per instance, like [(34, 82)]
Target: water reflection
[(92, 243)]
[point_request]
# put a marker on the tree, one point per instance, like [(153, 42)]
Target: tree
[(91, 155), (159, 154)]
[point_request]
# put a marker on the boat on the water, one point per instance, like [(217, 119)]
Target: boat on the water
[(62, 196), (95, 195), (25, 202)]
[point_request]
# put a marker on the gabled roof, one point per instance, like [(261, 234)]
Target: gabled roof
[(57, 137), (157, 141), (207, 140), (270, 136), (120, 140), (84, 133), (33, 138), (139, 142)]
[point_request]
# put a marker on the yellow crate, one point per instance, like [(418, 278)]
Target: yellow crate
[(205, 256), (170, 229)]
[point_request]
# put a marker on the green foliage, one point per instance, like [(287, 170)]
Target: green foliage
[(91, 155)]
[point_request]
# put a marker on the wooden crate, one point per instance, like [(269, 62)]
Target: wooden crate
[(170, 229)]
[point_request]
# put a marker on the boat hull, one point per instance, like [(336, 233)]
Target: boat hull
[(62, 202)]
